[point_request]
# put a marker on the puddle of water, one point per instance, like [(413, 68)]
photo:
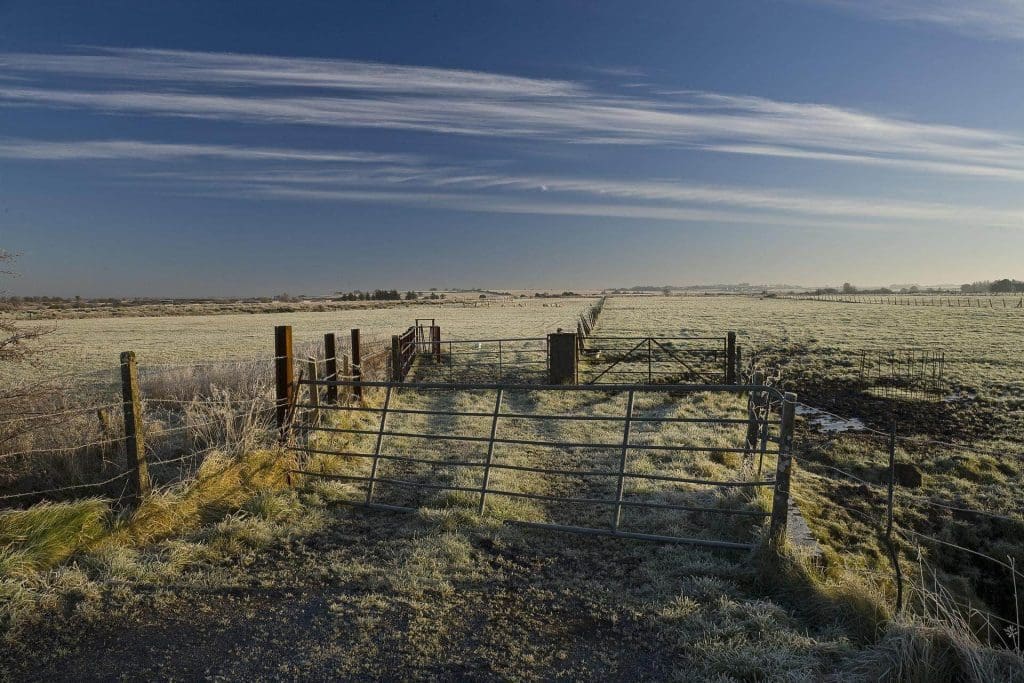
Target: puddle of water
[(829, 424), (960, 397)]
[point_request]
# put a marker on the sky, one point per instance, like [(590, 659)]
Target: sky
[(229, 149)]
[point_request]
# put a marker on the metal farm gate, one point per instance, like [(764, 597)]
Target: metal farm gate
[(677, 463), (709, 360)]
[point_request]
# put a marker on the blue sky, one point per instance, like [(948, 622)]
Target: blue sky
[(213, 148)]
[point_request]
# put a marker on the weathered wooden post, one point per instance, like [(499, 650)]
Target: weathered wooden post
[(331, 368), (135, 444), (396, 358), (284, 370), (783, 469), (730, 358), (357, 369), (563, 357)]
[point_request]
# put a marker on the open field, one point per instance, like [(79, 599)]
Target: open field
[(82, 346), (295, 583)]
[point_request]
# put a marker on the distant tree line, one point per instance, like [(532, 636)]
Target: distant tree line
[(377, 295), (1004, 286)]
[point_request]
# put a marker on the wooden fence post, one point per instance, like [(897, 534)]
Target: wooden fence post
[(135, 444), (357, 369), (284, 371), (780, 501), (563, 357), (331, 367), (730, 358)]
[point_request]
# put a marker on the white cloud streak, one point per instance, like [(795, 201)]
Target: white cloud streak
[(454, 188), (85, 150), (1002, 19), (350, 94)]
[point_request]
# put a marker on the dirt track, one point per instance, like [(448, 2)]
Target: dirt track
[(378, 595)]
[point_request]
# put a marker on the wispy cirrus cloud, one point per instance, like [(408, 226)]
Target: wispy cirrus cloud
[(351, 94), (1002, 19), (139, 150), (452, 187), (208, 68)]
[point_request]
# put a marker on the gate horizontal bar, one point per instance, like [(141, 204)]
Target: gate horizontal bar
[(593, 388), (534, 496), (539, 470), (727, 545)]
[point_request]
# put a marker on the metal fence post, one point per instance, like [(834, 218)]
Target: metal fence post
[(331, 367), (357, 370), (284, 369), (135, 445), (783, 469)]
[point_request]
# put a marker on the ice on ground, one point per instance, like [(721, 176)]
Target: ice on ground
[(828, 423)]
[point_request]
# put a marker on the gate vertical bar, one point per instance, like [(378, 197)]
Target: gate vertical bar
[(376, 448), (783, 469), (490, 451), (753, 423), (314, 392), (620, 485), (357, 368), (650, 376), (730, 358)]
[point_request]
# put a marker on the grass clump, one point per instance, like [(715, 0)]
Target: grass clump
[(49, 533)]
